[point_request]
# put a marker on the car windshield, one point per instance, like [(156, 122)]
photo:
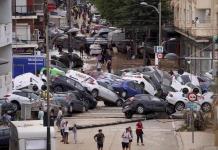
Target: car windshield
[(185, 79), (148, 79)]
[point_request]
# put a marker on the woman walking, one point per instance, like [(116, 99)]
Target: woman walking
[(66, 132), (139, 132), (125, 139), (74, 133)]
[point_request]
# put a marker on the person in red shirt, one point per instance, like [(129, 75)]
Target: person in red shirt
[(139, 132)]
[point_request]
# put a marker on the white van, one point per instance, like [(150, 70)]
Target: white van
[(30, 135), (27, 81)]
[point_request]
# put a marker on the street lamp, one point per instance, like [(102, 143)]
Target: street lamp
[(158, 10)]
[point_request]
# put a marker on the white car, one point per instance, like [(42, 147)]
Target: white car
[(142, 80), (19, 97), (97, 88), (179, 100), (27, 81), (95, 49)]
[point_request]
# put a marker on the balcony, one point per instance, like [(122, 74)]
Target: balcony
[(27, 11), (5, 34)]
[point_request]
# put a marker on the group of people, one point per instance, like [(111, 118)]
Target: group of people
[(127, 137), (104, 57)]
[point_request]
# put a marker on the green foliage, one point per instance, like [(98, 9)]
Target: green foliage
[(130, 14)]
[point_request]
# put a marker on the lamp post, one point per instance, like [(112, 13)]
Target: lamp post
[(158, 10)]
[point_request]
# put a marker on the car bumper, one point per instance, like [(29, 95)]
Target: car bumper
[(126, 108)]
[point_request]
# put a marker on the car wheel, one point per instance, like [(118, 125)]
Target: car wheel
[(140, 109), (170, 109), (206, 107), (179, 106), (16, 105), (58, 89), (142, 85), (95, 93), (119, 103), (124, 94), (128, 115)]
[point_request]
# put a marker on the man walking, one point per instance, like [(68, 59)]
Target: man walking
[(99, 139), (40, 114)]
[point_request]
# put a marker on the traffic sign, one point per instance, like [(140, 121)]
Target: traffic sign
[(158, 49), (192, 97), (160, 55)]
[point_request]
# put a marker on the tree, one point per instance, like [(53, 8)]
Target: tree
[(130, 15)]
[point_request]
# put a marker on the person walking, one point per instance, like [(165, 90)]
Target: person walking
[(99, 139), (139, 132), (125, 139), (62, 126), (74, 129), (109, 66), (60, 114), (66, 132), (81, 50), (40, 114), (131, 137)]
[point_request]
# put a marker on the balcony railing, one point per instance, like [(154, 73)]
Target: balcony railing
[(27, 10), (5, 34)]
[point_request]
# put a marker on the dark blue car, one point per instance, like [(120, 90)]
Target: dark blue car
[(127, 89)]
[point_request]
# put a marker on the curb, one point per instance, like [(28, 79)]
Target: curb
[(109, 124)]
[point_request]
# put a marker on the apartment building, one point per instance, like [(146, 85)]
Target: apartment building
[(196, 21), (5, 47)]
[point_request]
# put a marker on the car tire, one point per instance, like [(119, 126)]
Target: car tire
[(140, 109), (170, 109), (128, 115), (142, 85), (123, 94), (206, 107), (94, 93), (119, 102), (179, 106), (58, 89), (16, 105)]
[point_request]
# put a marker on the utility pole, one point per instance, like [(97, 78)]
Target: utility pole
[(46, 20), (159, 35), (69, 21)]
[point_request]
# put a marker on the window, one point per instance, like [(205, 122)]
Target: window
[(79, 86), (21, 94)]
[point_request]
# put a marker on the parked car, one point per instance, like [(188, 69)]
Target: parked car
[(19, 97), (7, 107), (27, 81), (95, 49), (4, 137), (64, 84), (146, 104), (142, 80), (127, 89), (179, 100), (98, 89), (71, 102)]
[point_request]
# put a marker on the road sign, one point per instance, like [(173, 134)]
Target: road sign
[(160, 55), (192, 97), (158, 49)]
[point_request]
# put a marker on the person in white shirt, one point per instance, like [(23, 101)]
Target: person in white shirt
[(125, 139), (60, 114), (62, 125), (66, 132), (40, 114)]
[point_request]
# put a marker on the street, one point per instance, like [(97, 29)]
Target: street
[(158, 134)]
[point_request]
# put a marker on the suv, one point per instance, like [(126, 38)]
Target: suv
[(64, 84)]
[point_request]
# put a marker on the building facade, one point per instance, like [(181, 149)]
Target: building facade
[(5, 47), (196, 21)]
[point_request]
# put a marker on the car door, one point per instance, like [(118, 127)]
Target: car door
[(132, 89), (148, 86), (106, 93), (157, 104)]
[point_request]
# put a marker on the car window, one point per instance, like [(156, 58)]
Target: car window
[(21, 94), (34, 96), (185, 79), (72, 82), (79, 86)]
